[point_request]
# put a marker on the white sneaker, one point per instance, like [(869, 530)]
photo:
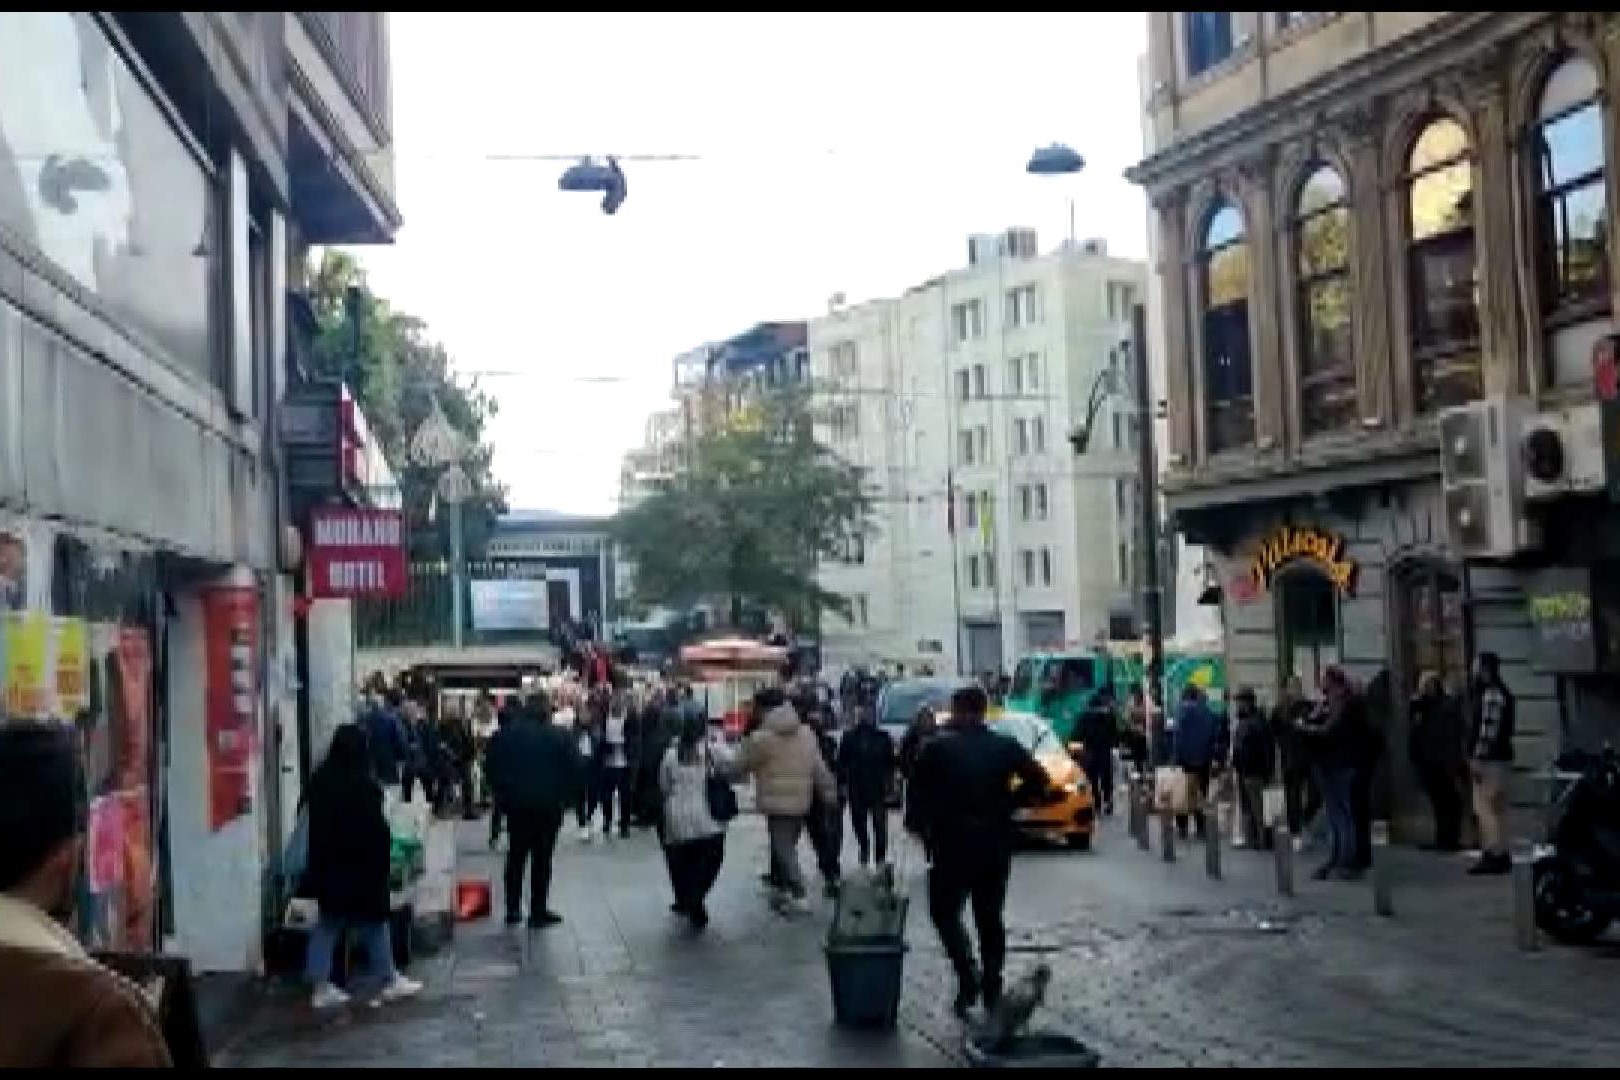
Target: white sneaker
[(326, 997), (399, 988)]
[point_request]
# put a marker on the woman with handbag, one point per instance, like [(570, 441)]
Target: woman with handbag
[(698, 802)]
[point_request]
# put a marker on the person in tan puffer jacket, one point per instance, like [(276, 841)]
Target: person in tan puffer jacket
[(785, 761)]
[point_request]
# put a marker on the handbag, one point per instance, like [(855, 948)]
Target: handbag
[(722, 797)]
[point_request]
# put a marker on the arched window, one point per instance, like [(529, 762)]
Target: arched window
[(1327, 372), (1443, 274), (1572, 213), (1228, 378)]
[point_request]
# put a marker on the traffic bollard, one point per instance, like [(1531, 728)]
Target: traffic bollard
[(1525, 931), (1139, 831), (1212, 841), (1282, 854), (1167, 836), (1143, 840), (1382, 885)]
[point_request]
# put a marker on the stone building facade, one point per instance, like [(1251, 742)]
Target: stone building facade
[(1363, 219)]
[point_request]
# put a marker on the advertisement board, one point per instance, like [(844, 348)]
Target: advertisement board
[(518, 604)]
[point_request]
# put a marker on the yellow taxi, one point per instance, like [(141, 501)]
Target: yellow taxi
[(1071, 817)]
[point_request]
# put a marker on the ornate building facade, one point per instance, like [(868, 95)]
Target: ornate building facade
[(1364, 219)]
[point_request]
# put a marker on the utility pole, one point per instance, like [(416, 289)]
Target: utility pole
[(1148, 467)]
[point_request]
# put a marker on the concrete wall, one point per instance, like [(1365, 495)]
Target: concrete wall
[(333, 681)]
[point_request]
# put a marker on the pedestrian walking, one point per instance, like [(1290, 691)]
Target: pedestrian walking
[(461, 748), (384, 724), (615, 764), (1301, 799), (694, 837), (1436, 746), (348, 871), (504, 718), (866, 764), (1099, 730), (535, 771), (784, 758), (58, 1007), (588, 745), (964, 792), (1491, 729), (1336, 734), (1136, 730), (1199, 746), (825, 821), (1254, 762)]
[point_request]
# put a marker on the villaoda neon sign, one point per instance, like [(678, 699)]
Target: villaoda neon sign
[(1288, 544)]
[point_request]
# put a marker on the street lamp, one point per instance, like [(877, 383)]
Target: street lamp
[(1057, 160), (1107, 383), (438, 445)]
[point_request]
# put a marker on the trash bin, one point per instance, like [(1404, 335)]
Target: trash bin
[(1036, 1050), (867, 976)]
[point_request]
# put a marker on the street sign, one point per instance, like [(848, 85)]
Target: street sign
[(356, 552)]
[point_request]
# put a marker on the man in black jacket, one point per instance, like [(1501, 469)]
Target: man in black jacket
[(964, 792), (535, 772), (866, 762), (1099, 730)]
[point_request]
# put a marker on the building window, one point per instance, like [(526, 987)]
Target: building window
[(1027, 557), (1041, 508), (1228, 372), (967, 320), (1285, 19), (973, 571), (1037, 434), (1046, 566), (964, 387), (989, 570), (862, 614), (1121, 499), (965, 441), (1122, 562), (1120, 299), (982, 437), (1572, 208), (1443, 270), (1026, 502), (1034, 379), (1015, 376), (1327, 373), (1021, 436), (1209, 40), (981, 382), (970, 509), (846, 360), (1022, 307)]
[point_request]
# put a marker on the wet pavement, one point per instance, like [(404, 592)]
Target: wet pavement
[(1155, 965)]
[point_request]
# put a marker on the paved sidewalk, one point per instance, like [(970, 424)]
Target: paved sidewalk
[(1155, 965), (622, 983)]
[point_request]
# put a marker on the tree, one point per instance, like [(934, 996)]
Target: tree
[(396, 374), (758, 505)]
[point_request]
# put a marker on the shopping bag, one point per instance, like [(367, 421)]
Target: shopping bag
[(1171, 794)]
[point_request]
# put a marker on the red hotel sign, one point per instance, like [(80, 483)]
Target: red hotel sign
[(356, 552)]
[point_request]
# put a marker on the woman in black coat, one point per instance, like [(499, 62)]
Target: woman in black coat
[(348, 869)]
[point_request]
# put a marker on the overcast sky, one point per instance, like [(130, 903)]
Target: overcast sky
[(837, 152)]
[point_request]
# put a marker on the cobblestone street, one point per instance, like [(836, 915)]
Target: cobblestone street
[(1156, 965)]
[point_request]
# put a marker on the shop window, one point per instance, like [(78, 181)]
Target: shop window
[(1572, 216), (1327, 373), (1429, 627), (1443, 272), (1308, 622), (1228, 371)]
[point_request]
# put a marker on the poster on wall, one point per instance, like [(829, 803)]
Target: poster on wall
[(231, 621), (13, 566)]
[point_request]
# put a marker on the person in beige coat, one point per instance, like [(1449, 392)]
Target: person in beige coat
[(785, 761), (58, 1007)]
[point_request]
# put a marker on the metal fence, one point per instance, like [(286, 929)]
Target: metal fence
[(425, 615)]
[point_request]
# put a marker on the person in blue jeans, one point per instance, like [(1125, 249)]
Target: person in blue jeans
[(1337, 734), (348, 870)]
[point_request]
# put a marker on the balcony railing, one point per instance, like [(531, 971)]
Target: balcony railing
[(425, 615), (356, 45)]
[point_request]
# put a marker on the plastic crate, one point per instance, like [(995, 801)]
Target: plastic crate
[(867, 978)]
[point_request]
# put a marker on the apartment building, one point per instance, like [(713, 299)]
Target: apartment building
[(958, 397), (1387, 296)]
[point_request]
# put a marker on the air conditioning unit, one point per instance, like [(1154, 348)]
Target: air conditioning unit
[(1481, 479), (1561, 452)]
